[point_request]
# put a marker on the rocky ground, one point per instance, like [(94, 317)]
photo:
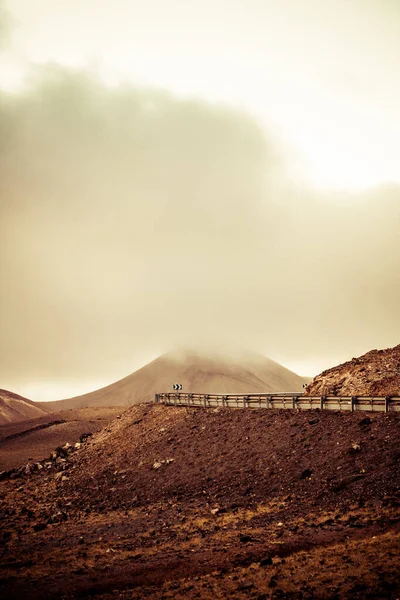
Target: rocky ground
[(33, 440), (207, 503), (375, 373)]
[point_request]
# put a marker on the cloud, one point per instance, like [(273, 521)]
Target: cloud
[(133, 221), (5, 26)]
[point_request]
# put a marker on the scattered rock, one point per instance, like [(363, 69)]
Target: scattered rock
[(273, 582), (58, 517), (346, 481), (306, 474)]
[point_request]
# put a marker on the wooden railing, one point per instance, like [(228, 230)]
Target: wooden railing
[(283, 400)]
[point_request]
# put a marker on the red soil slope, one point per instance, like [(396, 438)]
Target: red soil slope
[(233, 456), (180, 504), (15, 408), (375, 373)]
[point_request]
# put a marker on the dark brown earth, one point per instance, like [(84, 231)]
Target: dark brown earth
[(34, 439), (376, 373), (207, 503)]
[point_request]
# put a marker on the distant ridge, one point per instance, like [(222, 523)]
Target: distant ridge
[(14, 408), (197, 372)]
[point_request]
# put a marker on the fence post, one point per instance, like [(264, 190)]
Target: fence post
[(387, 400), (353, 402), (322, 402), (294, 401)]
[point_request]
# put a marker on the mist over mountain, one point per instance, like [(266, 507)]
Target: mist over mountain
[(197, 372), (133, 221)]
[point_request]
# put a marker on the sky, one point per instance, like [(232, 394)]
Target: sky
[(195, 173)]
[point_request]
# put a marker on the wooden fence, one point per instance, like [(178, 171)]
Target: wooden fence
[(282, 400)]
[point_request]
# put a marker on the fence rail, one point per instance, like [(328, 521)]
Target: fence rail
[(287, 400)]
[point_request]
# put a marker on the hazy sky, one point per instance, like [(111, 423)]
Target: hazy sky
[(322, 75), (195, 172)]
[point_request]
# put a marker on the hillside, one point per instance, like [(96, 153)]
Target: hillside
[(15, 408), (197, 372), (180, 503), (375, 373), (34, 439), (227, 455)]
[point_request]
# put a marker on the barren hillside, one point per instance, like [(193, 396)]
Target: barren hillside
[(175, 503), (227, 455), (15, 408), (197, 372), (33, 439), (375, 373)]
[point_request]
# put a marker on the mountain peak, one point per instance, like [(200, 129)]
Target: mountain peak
[(198, 370)]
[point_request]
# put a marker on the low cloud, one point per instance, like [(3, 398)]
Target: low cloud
[(133, 221)]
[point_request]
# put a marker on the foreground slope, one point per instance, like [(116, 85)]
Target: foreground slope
[(15, 408), (231, 456), (184, 503), (197, 372), (375, 373)]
